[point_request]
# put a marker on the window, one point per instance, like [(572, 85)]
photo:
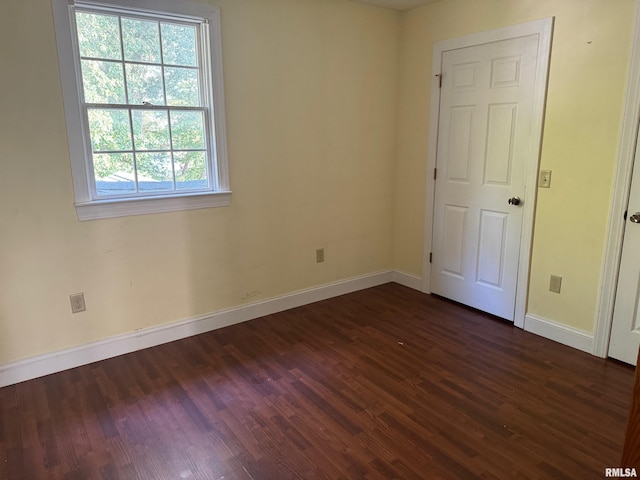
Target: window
[(144, 105)]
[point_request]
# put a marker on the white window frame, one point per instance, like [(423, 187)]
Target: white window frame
[(89, 206)]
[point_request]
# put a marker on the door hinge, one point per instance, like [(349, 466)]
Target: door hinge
[(430, 257), (439, 75), (435, 173), (625, 215)]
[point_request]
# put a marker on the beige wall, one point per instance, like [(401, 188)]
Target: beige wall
[(327, 104), (589, 60), (311, 107)]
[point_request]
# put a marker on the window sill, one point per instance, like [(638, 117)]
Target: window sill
[(98, 209)]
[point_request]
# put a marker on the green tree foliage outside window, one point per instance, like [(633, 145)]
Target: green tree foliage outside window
[(142, 90)]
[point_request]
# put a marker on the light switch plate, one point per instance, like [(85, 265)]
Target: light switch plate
[(545, 179)]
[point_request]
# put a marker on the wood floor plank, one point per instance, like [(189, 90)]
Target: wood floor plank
[(386, 383)]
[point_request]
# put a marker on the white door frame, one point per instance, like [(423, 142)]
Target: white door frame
[(544, 29), (628, 152)]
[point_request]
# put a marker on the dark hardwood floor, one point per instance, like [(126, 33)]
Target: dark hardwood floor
[(379, 384)]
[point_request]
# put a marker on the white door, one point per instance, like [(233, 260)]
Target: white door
[(484, 147), (625, 329)]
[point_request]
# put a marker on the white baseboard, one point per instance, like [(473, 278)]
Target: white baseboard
[(41, 365), (46, 364), (408, 280), (571, 337)]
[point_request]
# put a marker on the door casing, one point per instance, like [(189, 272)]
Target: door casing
[(628, 153), (543, 28)]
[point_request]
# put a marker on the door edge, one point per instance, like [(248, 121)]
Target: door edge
[(628, 153)]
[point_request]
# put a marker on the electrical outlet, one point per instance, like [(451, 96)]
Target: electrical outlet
[(545, 179), (320, 255), (555, 284), (77, 302)]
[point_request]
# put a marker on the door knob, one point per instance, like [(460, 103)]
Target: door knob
[(635, 218), (516, 201)]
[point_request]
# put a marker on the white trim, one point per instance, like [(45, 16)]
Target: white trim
[(432, 153), (72, 112), (119, 345), (572, 337), (619, 198), (221, 163), (408, 280), (544, 29), (140, 206), (88, 206)]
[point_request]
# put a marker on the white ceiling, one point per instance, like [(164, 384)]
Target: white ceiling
[(397, 4)]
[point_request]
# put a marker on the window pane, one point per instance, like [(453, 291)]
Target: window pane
[(155, 171), (98, 36), (151, 130), (109, 129), (103, 82), (187, 130), (182, 86), (144, 83), (179, 44), (114, 173), (191, 170), (141, 40)]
